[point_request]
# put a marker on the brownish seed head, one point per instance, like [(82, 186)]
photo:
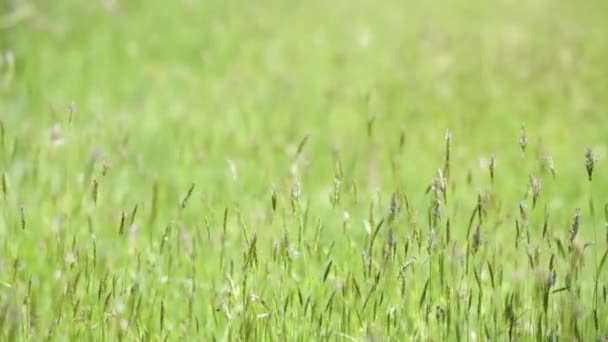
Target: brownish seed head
[(589, 162), (576, 222), (492, 167)]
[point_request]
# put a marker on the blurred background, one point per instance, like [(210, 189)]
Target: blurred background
[(182, 86)]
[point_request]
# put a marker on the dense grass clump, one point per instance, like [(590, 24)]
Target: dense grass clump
[(214, 170)]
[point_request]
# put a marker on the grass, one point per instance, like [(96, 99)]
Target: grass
[(303, 171)]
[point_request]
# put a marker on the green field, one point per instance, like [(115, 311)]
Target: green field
[(303, 171)]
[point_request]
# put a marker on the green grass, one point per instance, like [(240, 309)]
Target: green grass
[(275, 170)]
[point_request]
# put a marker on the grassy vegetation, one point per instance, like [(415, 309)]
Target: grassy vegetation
[(275, 170)]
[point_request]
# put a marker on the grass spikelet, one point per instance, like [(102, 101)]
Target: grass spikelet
[(523, 139), (523, 213), (296, 193), (121, 227), (94, 191), (187, 197), (576, 222), (334, 198), (548, 163), (476, 239), (4, 186), (395, 207), (273, 197), (301, 145), (534, 186), (589, 162), (492, 167), (22, 215)]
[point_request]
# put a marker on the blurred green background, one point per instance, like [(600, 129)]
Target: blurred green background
[(129, 94), (191, 84)]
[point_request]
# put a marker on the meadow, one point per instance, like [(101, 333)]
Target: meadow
[(303, 171)]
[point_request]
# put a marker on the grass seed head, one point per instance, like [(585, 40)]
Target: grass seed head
[(296, 193), (492, 167), (436, 210), (589, 162), (395, 206), (548, 162), (523, 139), (441, 181), (273, 197), (576, 222), (476, 239), (335, 194), (523, 211), (534, 185)]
